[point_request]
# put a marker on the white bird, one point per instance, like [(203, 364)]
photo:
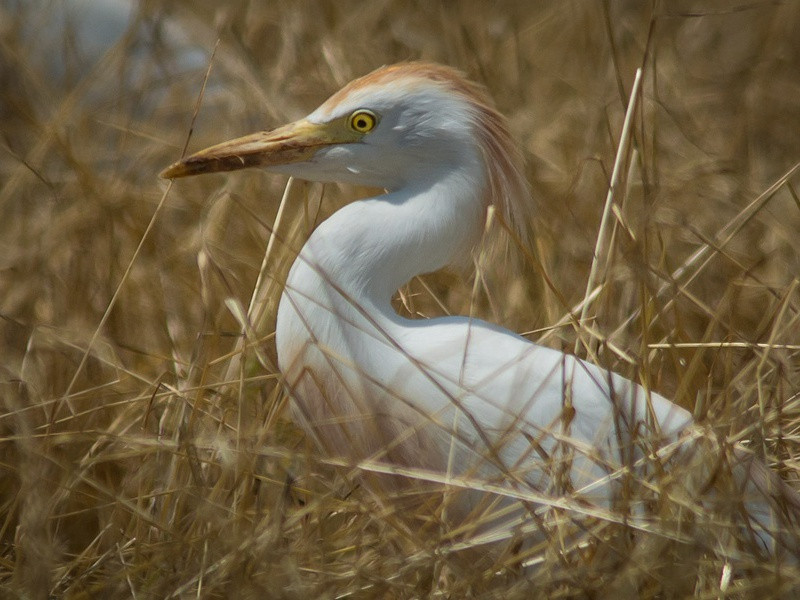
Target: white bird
[(454, 401)]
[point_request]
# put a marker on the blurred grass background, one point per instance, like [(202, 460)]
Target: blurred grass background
[(140, 457)]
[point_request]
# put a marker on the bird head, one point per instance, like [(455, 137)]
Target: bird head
[(394, 127)]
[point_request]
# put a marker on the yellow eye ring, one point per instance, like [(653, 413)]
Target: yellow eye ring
[(363, 121)]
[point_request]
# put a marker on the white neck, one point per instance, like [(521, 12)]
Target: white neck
[(337, 300), (335, 321), (370, 248)]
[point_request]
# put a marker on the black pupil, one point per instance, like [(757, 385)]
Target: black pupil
[(361, 123)]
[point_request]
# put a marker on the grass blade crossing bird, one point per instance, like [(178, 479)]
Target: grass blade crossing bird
[(454, 397)]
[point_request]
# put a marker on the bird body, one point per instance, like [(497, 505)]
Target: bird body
[(453, 395), (369, 384)]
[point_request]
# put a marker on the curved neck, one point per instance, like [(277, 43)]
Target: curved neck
[(370, 248)]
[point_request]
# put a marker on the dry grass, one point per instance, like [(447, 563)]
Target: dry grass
[(142, 457)]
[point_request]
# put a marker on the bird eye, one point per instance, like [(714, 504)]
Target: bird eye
[(363, 121)]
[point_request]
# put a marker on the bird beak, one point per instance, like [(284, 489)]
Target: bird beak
[(295, 142)]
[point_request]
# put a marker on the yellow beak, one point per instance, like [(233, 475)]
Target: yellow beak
[(296, 142)]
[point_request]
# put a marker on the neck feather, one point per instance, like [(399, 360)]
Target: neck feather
[(370, 248)]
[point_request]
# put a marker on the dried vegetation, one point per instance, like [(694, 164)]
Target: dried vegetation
[(145, 451)]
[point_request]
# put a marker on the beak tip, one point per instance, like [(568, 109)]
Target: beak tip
[(175, 170), (170, 172)]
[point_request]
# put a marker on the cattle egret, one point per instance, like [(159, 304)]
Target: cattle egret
[(490, 417)]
